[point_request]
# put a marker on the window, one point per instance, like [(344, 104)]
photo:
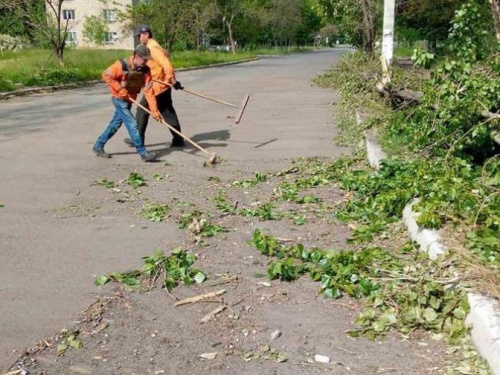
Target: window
[(68, 14), (110, 37), (109, 15), (71, 37)]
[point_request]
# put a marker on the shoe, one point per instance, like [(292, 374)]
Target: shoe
[(178, 143), (150, 156), (100, 152), (128, 142)]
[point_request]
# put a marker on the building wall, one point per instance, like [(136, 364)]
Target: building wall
[(83, 8)]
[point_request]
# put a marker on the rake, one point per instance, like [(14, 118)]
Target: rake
[(212, 156), (241, 107)]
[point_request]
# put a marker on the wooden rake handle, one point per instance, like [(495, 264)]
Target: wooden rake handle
[(200, 95), (171, 128)]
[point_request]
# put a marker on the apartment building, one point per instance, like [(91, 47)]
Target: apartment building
[(76, 11)]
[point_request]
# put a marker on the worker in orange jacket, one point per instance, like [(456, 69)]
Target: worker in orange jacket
[(163, 72), (125, 79)]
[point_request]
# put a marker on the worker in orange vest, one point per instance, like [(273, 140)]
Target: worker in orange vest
[(125, 79), (162, 71)]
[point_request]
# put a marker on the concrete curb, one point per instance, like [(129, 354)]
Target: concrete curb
[(484, 315), (48, 89), (428, 239)]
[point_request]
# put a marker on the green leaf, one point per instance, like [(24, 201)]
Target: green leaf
[(76, 343), (101, 280), (379, 326), (282, 357), (61, 348), (332, 293), (199, 277), (430, 314)]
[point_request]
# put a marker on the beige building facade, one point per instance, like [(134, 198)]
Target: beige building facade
[(117, 36)]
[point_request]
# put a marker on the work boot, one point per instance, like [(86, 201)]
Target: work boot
[(178, 143), (100, 152), (149, 157), (128, 142)]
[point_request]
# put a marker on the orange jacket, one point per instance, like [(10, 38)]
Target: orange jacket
[(161, 67), (115, 75)]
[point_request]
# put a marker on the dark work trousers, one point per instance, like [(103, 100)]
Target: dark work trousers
[(166, 108)]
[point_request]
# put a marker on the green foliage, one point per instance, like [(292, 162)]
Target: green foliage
[(105, 182), (6, 85), (354, 77), (222, 203), (448, 122), (136, 180), (69, 339), (469, 28), (173, 269), (426, 19), (264, 211), (422, 58), (403, 291), (11, 43), (37, 67), (259, 177), (199, 224), (155, 212), (94, 29)]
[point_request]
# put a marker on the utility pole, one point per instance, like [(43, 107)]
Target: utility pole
[(388, 35)]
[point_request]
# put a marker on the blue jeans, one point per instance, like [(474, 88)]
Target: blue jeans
[(122, 116)]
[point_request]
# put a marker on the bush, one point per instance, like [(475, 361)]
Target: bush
[(11, 43)]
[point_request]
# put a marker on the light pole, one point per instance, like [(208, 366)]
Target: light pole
[(388, 32)]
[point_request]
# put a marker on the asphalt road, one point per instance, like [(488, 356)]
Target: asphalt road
[(48, 260)]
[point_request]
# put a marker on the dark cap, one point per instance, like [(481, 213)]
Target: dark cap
[(143, 52), (143, 29)]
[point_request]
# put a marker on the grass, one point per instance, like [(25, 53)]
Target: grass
[(38, 67)]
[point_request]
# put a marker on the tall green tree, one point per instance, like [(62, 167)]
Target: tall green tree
[(356, 18), (44, 19), (228, 11), (430, 18), (167, 19), (94, 29)]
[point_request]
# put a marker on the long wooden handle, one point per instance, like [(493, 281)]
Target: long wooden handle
[(171, 128), (209, 98), (201, 95)]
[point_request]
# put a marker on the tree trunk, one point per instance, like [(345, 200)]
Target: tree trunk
[(368, 26), (170, 42), (231, 39), (495, 10), (60, 53)]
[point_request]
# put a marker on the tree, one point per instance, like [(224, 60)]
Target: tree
[(203, 13), (431, 18), (44, 18), (228, 10), (495, 11), (285, 18), (94, 29), (356, 18), (11, 23), (166, 18)]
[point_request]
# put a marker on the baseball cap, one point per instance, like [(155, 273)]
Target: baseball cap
[(142, 29), (143, 51)]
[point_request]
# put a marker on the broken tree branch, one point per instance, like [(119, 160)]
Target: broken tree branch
[(200, 297), (212, 314)]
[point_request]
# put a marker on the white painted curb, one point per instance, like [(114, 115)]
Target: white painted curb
[(428, 239), (484, 315), (373, 150)]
